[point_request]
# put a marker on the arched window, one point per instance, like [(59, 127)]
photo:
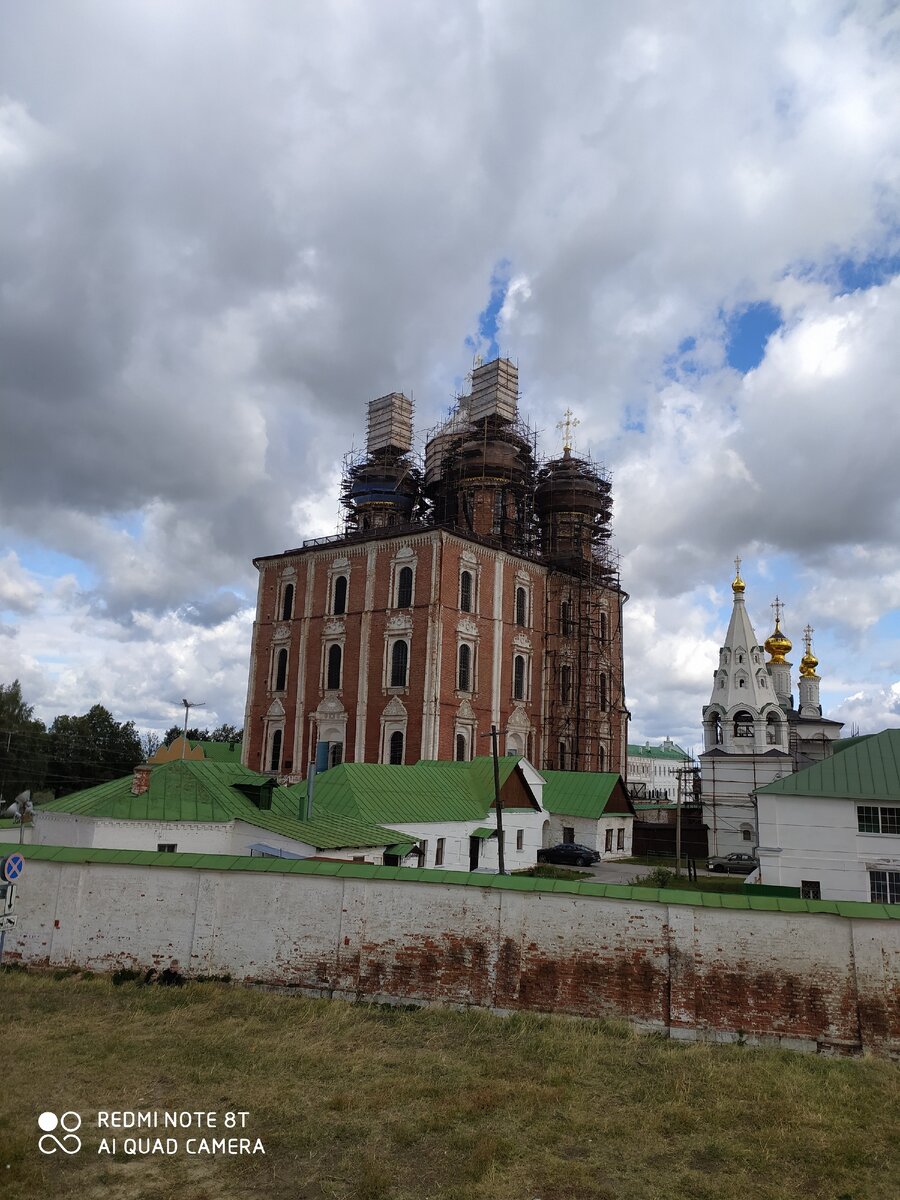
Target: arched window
[(340, 595), (396, 748), (565, 618), (604, 630), (287, 604), (519, 677), (405, 587), (275, 757), (743, 725), (465, 591), (565, 684), (773, 730), (521, 606), (601, 758), (563, 758), (464, 672), (281, 671), (333, 681), (460, 747), (603, 697), (335, 754), (399, 662)]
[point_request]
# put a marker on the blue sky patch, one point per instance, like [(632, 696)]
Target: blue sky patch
[(488, 319), (748, 330)]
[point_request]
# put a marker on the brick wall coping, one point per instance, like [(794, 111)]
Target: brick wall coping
[(517, 883)]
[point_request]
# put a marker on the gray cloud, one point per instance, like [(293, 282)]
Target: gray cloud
[(227, 227)]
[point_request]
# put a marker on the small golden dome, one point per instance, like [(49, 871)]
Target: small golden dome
[(777, 645), (738, 585), (808, 664)]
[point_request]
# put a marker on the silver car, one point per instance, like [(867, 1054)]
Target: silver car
[(734, 864)]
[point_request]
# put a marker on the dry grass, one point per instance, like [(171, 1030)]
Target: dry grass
[(373, 1104)]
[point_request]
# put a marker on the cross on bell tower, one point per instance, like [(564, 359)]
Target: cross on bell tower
[(567, 427)]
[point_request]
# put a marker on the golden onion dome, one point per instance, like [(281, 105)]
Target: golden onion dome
[(738, 585), (777, 645), (808, 664)]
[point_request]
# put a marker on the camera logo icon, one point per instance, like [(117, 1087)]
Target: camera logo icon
[(68, 1142)]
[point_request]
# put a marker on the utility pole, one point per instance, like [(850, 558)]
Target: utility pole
[(680, 776), (498, 805), (188, 705)]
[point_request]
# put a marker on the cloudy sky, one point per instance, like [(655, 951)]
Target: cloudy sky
[(226, 225)]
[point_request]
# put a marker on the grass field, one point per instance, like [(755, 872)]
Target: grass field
[(375, 1104)]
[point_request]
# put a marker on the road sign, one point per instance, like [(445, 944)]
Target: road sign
[(8, 921), (9, 902), (13, 866)]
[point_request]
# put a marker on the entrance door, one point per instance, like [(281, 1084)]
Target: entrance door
[(474, 851)]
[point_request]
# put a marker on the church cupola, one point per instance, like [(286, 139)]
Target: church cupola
[(778, 647), (810, 705)]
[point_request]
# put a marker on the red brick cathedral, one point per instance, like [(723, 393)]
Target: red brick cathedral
[(475, 589)]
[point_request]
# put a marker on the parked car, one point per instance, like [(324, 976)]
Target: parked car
[(570, 853), (734, 864)]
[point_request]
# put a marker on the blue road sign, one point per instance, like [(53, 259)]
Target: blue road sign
[(13, 866)]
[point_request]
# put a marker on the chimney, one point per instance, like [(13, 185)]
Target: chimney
[(141, 782)]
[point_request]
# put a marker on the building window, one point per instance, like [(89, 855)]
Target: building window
[(601, 758), (519, 677), (810, 889), (565, 618), (604, 702), (565, 684), (465, 591), (604, 629), (877, 820), (461, 747), (166, 847), (884, 887), (464, 672), (287, 603), (333, 677), (275, 757), (521, 606), (335, 754), (395, 755), (746, 835), (281, 671), (563, 757), (568, 833), (439, 852), (520, 839), (399, 661), (339, 604), (607, 844), (620, 839), (405, 587)]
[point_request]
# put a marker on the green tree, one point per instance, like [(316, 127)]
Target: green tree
[(91, 749), (23, 745)]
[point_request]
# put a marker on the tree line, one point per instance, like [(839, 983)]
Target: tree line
[(74, 752)]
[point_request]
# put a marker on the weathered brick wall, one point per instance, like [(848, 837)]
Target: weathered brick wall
[(809, 980)]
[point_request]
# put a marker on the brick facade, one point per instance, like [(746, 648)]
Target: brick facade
[(325, 666)]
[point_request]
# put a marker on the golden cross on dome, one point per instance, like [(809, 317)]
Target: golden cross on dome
[(567, 427), (778, 605), (807, 638), (737, 567)]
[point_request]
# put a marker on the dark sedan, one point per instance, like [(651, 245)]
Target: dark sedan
[(569, 853), (734, 864)]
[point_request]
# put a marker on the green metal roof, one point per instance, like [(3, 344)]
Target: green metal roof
[(520, 883), (578, 793), (868, 769), (483, 831), (227, 752), (674, 753), (428, 791), (203, 791)]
